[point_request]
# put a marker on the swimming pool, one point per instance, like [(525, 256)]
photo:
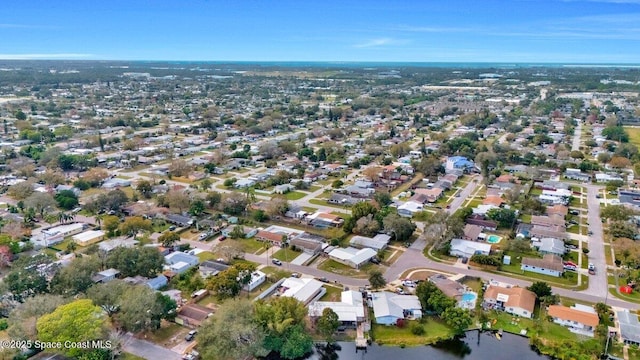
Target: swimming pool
[(494, 239), (469, 296)]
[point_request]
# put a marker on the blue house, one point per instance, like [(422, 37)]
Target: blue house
[(157, 282), (459, 162)]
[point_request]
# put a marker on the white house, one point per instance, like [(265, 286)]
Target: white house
[(88, 237), (409, 208), (388, 307), (56, 234), (352, 256), (257, 278), (579, 319), (350, 308), (304, 290), (466, 249), (378, 242), (513, 300), (179, 262), (550, 264), (549, 246)]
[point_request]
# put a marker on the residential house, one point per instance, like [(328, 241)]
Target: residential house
[(244, 183), (283, 189), (363, 192), (157, 282), (109, 245), (550, 264), (192, 315), (579, 319), (179, 220), (56, 234), (114, 183), (310, 244), (388, 307), (211, 268), (105, 276), (344, 200), (248, 232), (514, 300), (277, 234), (324, 220), (179, 262), (558, 210), (257, 279), (576, 174), (459, 162), (604, 177), (494, 201), (629, 196), (350, 308), (305, 290), (546, 232), (466, 249), (452, 289), (480, 220), (351, 256), (554, 223), (409, 208), (88, 237), (472, 232), (549, 246), (432, 195), (378, 242), (629, 327)]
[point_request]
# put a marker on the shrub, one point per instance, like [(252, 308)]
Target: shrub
[(417, 329)]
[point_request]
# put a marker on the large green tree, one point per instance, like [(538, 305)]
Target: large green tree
[(282, 319), (76, 277), (231, 334), (400, 227), (327, 324), (77, 321), (144, 261)]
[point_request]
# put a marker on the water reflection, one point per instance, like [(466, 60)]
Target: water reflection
[(473, 346)]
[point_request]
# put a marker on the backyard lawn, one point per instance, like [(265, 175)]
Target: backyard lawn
[(634, 134), (294, 195), (333, 293), (435, 330)]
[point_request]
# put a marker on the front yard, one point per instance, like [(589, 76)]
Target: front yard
[(345, 270), (286, 254)]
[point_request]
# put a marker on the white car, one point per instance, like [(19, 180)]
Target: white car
[(409, 283)]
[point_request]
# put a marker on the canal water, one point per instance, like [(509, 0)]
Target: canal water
[(474, 346)]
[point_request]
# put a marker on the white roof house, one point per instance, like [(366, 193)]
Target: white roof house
[(88, 237), (180, 262), (56, 234), (352, 256), (257, 278), (409, 208), (389, 307), (302, 289), (466, 248), (349, 309), (378, 242)]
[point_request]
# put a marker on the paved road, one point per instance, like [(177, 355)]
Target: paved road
[(146, 349), (598, 285), (577, 135)]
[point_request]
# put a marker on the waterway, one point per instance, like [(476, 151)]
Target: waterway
[(474, 346)]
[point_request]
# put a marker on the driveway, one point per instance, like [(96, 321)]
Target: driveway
[(146, 349)]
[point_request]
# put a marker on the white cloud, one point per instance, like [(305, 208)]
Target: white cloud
[(379, 42), (44, 56)]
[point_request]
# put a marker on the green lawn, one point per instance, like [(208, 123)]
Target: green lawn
[(286, 254), (294, 195), (435, 330), (275, 273), (546, 329), (309, 209), (250, 245), (206, 255), (341, 269), (325, 203), (333, 293), (634, 134), (526, 218)]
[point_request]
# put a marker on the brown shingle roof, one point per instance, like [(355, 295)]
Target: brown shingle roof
[(549, 261), (518, 297), (567, 313)]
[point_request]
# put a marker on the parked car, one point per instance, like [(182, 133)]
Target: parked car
[(323, 279), (276, 262), (409, 283), (191, 335), (222, 238), (295, 275), (375, 260), (400, 291), (172, 228)]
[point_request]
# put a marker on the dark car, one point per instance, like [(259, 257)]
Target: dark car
[(276, 262), (323, 279), (375, 260), (172, 228)]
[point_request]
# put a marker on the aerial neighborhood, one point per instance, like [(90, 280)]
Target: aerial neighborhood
[(162, 210)]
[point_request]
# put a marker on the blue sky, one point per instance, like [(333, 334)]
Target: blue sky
[(574, 31)]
